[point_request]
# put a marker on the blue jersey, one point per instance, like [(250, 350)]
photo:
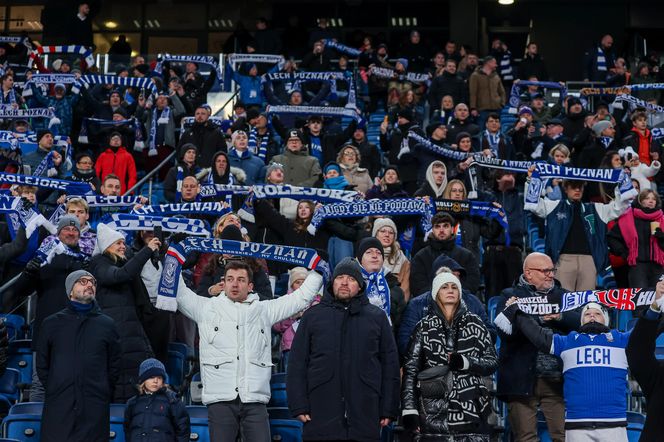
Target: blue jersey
[(595, 373)]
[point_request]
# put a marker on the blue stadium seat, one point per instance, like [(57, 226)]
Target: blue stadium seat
[(278, 398), (197, 411), (635, 423), (279, 413), (183, 348), (15, 326), (542, 429), (23, 363), (198, 416), (9, 385), (2, 439), (492, 307), (176, 368), (20, 346), (27, 408), (278, 378), (286, 430), (24, 427)]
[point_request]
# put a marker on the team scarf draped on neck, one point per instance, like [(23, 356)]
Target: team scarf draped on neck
[(68, 187), (391, 74), (606, 141), (258, 150), (326, 111), (601, 60), (515, 93), (207, 208), (339, 47), (393, 207), (481, 209), (505, 67), (157, 119), (131, 123), (134, 222), (83, 51), (493, 140), (198, 59), (271, 191), (11, 97), (55, 247), (378, 291), (176, 255), (620, 299)]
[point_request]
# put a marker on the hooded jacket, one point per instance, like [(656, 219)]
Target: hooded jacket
[(118, 162), (300, 168), (486, 91), (429, 187)]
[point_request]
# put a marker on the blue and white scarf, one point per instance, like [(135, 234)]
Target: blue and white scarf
[(259, 151), (296, 78), (315, 110), (163, 119), (176, 255), (30, 219), (41, 79), (634, 102), (55, 247), (131, 123), (506, 67), (493, 140), (46, 165), (110, 201), (134, 222), (271, 191), (136, 82), (393, 207), (8, 140), (83, 51), (479, 209), (11, 98), (187, 122), (601, 60), (68, 187), (198, 59), (515, 93), (38, 112), (606, 141), (378, 291), (235, 59), (339, 47), (391, 74), (207, 208)]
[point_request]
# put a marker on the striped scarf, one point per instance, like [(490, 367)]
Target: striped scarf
[(601, 60), (84, 52), (259, 151)]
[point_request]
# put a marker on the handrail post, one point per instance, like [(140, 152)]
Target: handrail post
[(151, 173)]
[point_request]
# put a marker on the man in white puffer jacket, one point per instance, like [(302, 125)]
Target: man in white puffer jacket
[(235, 349)]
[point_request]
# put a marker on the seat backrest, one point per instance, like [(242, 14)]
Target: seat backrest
[(9, 383), (286, 430), (197, 411), (278, 395), (15, 324), (278, 378), (34, 408), (199, 430), (22, 427), (279, 413), (175, 368), (117, 410)]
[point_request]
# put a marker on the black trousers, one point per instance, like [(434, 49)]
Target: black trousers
[(228, 417)]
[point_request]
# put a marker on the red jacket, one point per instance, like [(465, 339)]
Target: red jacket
[(119, 163)]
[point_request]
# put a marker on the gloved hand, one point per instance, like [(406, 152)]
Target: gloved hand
[(33, 266), (27, 205), (456, 361), (323, 268), (411, 422)]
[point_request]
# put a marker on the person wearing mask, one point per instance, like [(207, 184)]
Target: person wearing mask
[(240, 157), (116, 160), (341, 374), (528, 378), (119, 297), (594, 369), (78, 362), (442, 241), (236, 373), (205, 136), (576, 233), (452, 347), (300, 168)]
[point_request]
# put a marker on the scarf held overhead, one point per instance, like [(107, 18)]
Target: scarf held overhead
[(175, 257), (479, 209), (134, 222), (68, 187)]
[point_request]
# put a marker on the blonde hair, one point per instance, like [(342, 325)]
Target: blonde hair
[(78, 202), (448, 189), (142, 390)]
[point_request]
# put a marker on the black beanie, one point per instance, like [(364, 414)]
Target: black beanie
[(365, 244), (41, 133), (349, 266)]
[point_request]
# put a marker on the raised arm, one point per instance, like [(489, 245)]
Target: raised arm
[(286, 306)]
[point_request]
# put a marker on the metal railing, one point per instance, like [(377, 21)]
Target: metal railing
[(150, 175)]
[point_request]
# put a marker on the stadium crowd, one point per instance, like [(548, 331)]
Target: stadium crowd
[(432, 323)]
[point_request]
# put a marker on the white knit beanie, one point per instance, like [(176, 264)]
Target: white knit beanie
[(440, 280), (105, 238), (296, 273), (383, 222), (599, 307)]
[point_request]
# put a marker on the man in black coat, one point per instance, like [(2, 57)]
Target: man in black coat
[(449, 83), (644, 366), (533, 65), (205, 136), (399, 148), (77, 357), (527, 377), (442, 241), (343, 371), (370, 156)]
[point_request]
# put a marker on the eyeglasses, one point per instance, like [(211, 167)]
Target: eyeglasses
[(546, 271), (86, 281)]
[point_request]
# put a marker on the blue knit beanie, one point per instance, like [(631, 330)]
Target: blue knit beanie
[(150, 368)]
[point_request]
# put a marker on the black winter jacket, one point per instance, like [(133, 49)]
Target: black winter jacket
[(118, 291), (78, 358), (156, 417), (518, 356), (207, 139), (421, 274), (343, 370), (447, 84), (466, 407)]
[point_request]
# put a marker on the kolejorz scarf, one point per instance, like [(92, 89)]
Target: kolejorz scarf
[(68, 187), (136, 82), (28, 218), (176, 255)]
